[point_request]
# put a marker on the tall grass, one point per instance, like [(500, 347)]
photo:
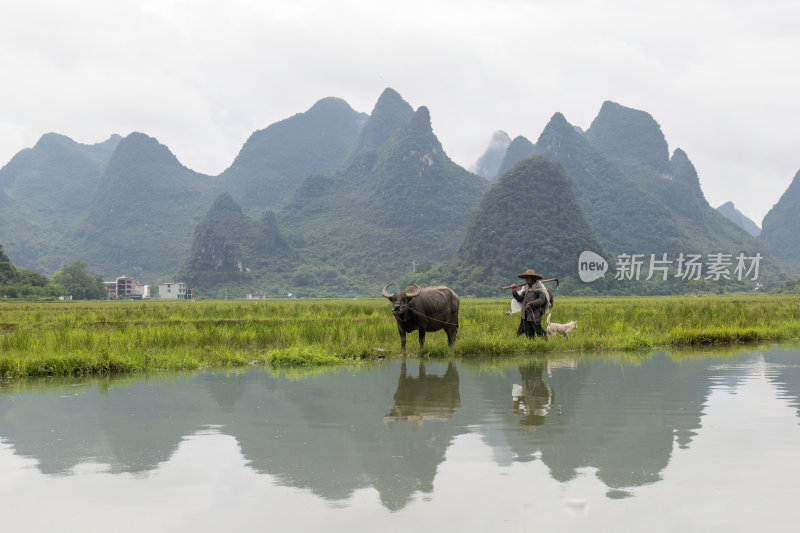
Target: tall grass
[(80, 338)]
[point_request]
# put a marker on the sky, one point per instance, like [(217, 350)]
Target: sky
[(721, 77)]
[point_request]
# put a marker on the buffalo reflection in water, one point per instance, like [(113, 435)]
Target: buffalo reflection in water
[(425, 397)]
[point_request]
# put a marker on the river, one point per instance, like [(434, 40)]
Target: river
[(668, 442)]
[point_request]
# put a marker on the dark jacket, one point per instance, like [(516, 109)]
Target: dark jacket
[(533, 303)]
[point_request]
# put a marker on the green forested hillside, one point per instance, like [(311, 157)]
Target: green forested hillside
[(630, 139), (142, 218), (640, 151), (529, 218), (390, 114), (362, 200), (402, 204), (274, 161), (72, 280), (624, 216), (781, 227), (398, 201), (7, 269), (682, 171), (519, 149), (32, 172), (232, 250), (44, 192), (639, 201)]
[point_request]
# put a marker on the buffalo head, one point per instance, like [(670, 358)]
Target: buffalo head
[(401, 299)]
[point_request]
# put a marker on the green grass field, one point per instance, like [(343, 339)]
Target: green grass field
[(81, 338)]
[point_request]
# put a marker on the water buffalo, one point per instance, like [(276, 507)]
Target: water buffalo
[(424, 309)]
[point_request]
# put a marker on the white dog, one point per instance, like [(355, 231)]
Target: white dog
[(560, 329)]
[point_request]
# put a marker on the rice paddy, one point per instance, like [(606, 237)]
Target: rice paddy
[(84, 338)]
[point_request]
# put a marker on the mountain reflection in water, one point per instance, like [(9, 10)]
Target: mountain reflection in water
[(390, 427)]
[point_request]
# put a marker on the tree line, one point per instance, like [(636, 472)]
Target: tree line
[(72, 280)]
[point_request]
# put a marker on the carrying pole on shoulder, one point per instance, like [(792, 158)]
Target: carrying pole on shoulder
[(515, 285)]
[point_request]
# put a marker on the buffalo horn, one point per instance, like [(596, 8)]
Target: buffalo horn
[(387, 294), (413, 292)]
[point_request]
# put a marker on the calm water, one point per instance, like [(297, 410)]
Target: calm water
[(696, 443)]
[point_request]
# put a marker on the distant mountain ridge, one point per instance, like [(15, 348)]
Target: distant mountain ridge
[(402, 203), (630, 139), (739, 218), (336, 202), (44, 191), (489, 163), (638, 201), (231, 248), (274, 161), (529, 218), (142, 217), (398, 200), (519, 149), (780, 229), (390, 113)]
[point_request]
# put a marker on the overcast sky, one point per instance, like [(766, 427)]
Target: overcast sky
[(721, 77)]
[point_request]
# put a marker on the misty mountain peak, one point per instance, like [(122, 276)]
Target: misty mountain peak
[(489, 163), (276, 159), (781, 226), (500, 138), (391, 112), (739, 218), (49, 140), (556, 131), (331, 107), (141, 163), (391, 98), (682, 171), (138, 149), (417, 137), (631, 138), (519, 149), (558, 119), (56, 142), (421, 121)]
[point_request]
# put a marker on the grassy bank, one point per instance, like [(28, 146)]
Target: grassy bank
[(79, 338)]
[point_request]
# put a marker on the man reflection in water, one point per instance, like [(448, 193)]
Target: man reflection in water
[(534, 398)]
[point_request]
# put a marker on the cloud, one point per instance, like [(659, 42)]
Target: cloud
[(721, 77)]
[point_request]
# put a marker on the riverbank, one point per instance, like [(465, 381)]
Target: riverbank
[(82, 338)]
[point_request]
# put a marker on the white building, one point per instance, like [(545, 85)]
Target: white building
[(258, 295), (175, 291)]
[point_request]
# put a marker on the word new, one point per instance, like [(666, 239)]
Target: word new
[(591, 266)]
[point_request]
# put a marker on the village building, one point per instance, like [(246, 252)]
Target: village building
[(258, 295), (125, 287), (175, 291)]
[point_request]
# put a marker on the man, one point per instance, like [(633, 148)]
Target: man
[(536, 302)]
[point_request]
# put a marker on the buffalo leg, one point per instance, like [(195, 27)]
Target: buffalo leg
[(402, 340), (451, 336), (421, 338)]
